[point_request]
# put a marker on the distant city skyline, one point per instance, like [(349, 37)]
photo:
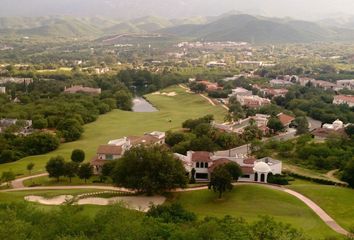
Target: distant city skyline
[(301, 9)]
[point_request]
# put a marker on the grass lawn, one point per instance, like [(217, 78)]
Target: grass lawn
[(116, 124), (46, 181), (338, 202), (249, 202)]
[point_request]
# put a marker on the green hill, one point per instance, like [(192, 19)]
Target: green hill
[(258, 30)]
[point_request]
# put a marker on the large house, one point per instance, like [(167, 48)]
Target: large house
[(115, 149), (344, 99), (240, 92), (210, 86), (348, 84), (82, 89), (253, 170), (327, 130), (253, 101), (285, 119)]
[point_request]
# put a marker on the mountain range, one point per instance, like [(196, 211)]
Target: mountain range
[(227, 27)]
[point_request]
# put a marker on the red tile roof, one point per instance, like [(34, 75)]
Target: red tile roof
[(285, 119), (201, 157), (110, 149), (249, 160)]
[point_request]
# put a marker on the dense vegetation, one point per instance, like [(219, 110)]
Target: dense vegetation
[(25, 222)]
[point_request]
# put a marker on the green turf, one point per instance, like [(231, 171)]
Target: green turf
[(249, 202), (338, 202), (46, 181), (116, 124)]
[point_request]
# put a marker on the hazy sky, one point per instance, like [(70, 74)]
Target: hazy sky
[(304, 9)]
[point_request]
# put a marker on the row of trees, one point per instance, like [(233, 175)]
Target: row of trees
[(57, 167)]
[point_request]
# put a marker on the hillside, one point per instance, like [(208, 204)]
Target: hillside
[(257, 30)]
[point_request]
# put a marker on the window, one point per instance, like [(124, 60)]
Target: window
[(201, 165), (109, 157), (197, 164), (201, 176), (206, 165)]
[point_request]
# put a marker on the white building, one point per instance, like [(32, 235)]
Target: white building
[(2, 90), (348, 84), (204, 163), (240, 92), (344, 99)]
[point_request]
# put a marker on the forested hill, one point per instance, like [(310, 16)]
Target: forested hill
[(227, 27)]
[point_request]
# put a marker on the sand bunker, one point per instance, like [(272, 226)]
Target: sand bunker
[(170, 94), (139, 203), (49, 201)]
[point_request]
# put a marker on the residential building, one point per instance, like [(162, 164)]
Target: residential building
[(285, 119), (115, 149), (210, 86), (324, 84), (344, 99), (216, 64), (25, 126), (280, 83), (240, 92), (274, 92), (25, 81), (204, 163), (2, 90), (253, 101), (82, 89), (336, 125), (348, 84)]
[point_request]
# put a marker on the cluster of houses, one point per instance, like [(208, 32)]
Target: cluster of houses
[(82, 89), (344, 99), (327, 130), (260, 120), (201, 164)]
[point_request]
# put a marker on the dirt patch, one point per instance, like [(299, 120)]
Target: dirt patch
[(170, 94), (59, 200), (139, 203)]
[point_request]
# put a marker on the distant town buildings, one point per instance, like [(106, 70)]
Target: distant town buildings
[(26, 81), (82, 89), (24, 127), (240, 92), (210, 86)]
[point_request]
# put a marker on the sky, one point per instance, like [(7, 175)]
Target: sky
[(300, 9)]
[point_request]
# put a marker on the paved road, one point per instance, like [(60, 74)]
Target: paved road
[(313, 124), (18, 183)]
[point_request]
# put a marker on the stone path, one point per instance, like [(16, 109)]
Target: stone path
[(18, 183)]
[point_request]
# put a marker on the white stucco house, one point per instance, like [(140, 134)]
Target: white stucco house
[(253, 170)]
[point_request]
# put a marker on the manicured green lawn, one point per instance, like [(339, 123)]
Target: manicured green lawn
[(338, 202), (46, 181), (116, 124), (249, 202)]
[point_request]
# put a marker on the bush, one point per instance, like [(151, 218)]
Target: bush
[(173, 213), (278, 179)]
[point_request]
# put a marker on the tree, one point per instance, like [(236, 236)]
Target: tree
[(107, 170), (124, 100), (39, 122), (198, 87), (39, 143), (173, 138), (151, 169), (348, 173), (56, 167), (85, 171), (192, 180), (275, 124), (78, 156), (71, 129), (70, 170), (302, 125), (8, 177), (30, 167), (221, 180), (350, 131), (234, 169), (173, 213)]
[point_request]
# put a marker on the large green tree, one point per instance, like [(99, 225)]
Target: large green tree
[(85, 171), (151, 169), (78, 155), (56, 167)]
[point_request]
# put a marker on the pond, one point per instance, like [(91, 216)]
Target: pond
[(141, 105)]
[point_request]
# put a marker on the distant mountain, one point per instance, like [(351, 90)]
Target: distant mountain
[(258, 30)]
